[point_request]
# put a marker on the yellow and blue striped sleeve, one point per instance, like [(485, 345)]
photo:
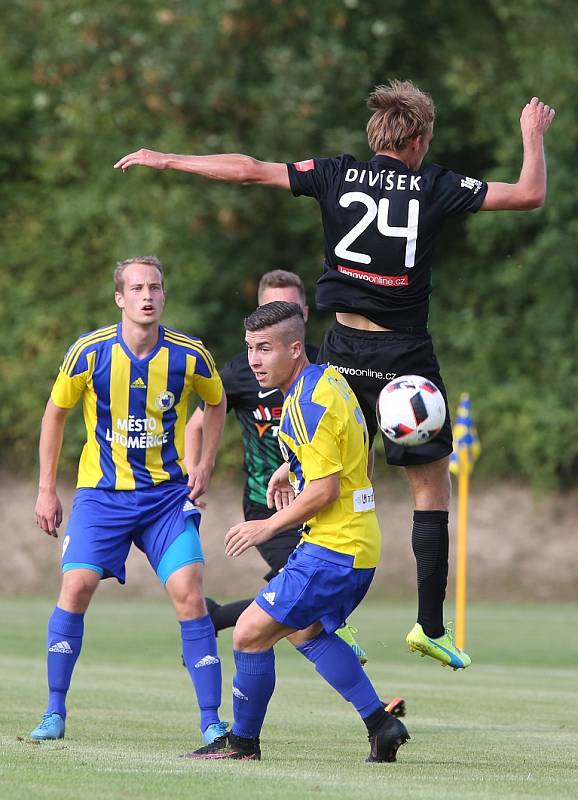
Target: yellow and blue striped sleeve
[(73, 377), (210, 390), (206, 381), (68, 390), (77, 367)]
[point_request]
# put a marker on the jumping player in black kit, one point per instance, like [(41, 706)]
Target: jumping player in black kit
[(381, 219)]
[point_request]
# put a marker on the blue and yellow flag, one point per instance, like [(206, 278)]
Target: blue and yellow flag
[(465, 435)]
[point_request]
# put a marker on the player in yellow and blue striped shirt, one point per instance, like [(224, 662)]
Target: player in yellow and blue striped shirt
[(324, 440), (134, 379)]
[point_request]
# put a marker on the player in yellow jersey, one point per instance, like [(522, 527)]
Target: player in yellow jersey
[(258, 413), (324, 441), (134, 379)]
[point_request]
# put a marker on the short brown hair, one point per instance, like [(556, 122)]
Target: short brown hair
[(401, 112), (118, 276), (281, 279), (276, 313)]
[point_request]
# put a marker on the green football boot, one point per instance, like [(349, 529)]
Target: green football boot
[(346, 633), (442, 649)]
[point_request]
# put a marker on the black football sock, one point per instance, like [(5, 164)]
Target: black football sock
[(227, 615), (373, 721), (430, 542)]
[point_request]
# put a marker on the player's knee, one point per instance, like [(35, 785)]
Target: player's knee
[(242, 637), (189, 603), (247, 636), (185, 588), (77, 590), (432, 500), (431, 486)]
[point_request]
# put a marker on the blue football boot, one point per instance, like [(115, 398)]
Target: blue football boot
[(51, 727), (215, 731)]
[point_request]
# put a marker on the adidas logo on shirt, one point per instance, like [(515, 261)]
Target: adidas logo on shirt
[(61, 647), (188, 506), (138, 384), (206, 661), (269, 597), (239, 694)]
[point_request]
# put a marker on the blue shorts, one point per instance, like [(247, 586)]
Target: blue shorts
[(316, 585), (160, 520)]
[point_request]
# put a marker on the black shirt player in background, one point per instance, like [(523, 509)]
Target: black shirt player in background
[(381, 219)]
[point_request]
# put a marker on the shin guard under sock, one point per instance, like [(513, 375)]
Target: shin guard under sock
[(253, 686), (65, 632), (336, 662), (202, 661), (430, 542)]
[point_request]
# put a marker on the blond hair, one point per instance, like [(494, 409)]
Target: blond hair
[(401, 112), (151, 261)]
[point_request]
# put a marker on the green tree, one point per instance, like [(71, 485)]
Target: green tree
[(86, 82)]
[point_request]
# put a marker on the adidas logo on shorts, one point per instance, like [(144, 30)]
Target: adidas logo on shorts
[(206, 661), (269, 597), (61, 647)]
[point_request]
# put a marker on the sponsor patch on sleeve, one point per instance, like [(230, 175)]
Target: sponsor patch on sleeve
[(305, 166)]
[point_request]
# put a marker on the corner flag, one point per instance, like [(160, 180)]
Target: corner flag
[(465, 436), (467, 448)]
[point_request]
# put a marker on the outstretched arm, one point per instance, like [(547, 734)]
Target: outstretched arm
[(230, 167), (48, 511), (530, 190)]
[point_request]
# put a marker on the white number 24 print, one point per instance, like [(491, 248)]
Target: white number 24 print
[(380, 211)]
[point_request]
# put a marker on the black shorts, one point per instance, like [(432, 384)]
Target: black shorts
[(369, 360), (276, 550)]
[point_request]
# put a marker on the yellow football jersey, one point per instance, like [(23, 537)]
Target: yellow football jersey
[(323, 431), (135, 410)]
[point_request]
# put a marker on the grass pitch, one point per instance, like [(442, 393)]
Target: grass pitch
[(505, 728)]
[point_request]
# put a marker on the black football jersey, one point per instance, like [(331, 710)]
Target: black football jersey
[(381, 221), (259, 413)]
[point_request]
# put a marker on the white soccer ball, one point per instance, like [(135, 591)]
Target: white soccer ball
[(410, 410)]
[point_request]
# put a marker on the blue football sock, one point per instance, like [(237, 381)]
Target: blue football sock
[(199, 645), (336, 662), (253, 686), (65, 631)]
